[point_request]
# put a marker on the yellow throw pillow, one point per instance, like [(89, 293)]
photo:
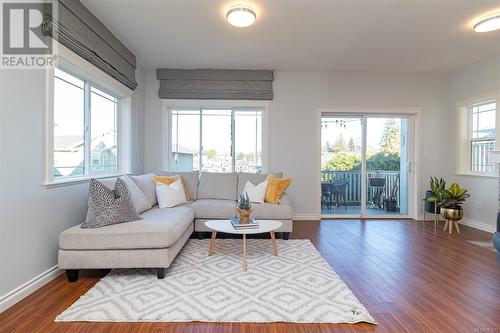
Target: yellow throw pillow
[(275, 188), (168, 180)]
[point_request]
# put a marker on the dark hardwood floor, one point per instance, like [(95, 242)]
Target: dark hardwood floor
[(411, 277)]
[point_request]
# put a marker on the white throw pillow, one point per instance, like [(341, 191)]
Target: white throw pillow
[(256, 193), (170, 195)]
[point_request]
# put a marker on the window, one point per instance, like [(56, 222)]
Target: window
[(482, 136), (85, 128), (217, 140), (477, 136)]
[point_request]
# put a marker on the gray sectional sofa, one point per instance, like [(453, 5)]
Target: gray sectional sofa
[(156, 239)]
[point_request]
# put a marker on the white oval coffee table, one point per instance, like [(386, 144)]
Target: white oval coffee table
[(225, 226)]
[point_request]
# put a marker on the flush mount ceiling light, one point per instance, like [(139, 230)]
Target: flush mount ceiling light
[(241, 16), (487, 24)]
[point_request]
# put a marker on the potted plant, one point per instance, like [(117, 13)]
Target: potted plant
[(451, 202), (433, 196), (244, 208)]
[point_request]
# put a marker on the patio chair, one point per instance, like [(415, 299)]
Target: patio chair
[(377, 185), (326, 195), (339, 189)]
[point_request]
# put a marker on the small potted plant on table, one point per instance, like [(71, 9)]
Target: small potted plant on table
[(244, 208), (451, 205)]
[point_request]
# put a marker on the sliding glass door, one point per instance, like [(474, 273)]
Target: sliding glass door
[(341, 157), (364, 165)]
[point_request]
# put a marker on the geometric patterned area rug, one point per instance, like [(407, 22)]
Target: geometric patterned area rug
[(297, 286)]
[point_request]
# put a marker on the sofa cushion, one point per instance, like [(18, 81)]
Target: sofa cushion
[(254, 178), (215, 185), (213, 208), (147, 186), (268, 211), (159, 228), (189, 179)]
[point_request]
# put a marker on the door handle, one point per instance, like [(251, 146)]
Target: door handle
[(409, 166)]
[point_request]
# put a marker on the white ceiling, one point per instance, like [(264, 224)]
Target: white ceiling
[(389, 36)]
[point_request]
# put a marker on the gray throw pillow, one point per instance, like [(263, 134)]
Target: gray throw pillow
[(107, 206)]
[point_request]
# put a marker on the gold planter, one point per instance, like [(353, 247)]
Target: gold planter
[(244, 215), (452, 214)]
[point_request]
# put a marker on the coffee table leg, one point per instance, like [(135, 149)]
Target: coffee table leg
[(244, 253), (273, 239), (212, 243)]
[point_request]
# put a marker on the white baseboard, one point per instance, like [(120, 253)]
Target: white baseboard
[(478, 225), (308, 217), (14, 296)]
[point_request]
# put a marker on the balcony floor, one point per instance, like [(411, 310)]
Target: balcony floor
[(356, 210)]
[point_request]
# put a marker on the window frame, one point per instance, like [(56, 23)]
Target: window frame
[(78, 67), (234, 106), (464, 134)]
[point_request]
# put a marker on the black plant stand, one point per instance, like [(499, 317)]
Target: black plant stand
[(435, 213)]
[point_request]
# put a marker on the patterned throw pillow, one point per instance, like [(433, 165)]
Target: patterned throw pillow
[(107, 206)]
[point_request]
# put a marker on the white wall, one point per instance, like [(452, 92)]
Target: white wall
[(32, 216), (137, 119), (475, 80), (153, 124), (294, 128)]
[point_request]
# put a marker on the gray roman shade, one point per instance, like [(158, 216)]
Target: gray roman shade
[(79, 30), (215, 84)]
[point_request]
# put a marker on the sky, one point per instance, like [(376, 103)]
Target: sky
[(68, 108), (216, 129), (352, 129)]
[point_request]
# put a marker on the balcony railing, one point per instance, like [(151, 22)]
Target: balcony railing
[(353, 191)]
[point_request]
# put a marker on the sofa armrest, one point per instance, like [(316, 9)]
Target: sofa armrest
[(284, 200)]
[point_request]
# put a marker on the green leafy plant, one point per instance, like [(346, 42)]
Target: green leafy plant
[(244, 202), (436, 185), (453, 197)]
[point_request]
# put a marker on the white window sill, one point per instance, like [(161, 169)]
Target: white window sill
[(480, 175), (68, 181)]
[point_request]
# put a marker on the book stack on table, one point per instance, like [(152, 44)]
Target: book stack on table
[(252, 224)]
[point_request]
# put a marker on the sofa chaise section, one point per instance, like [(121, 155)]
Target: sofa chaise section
[(151, 242)]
